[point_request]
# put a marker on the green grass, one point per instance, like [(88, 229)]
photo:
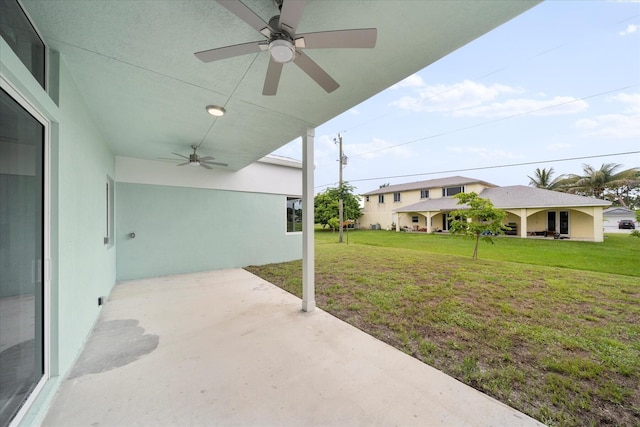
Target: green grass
[(618, 254), (560, 344)]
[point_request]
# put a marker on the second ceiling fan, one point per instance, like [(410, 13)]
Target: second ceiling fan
[(284, 45)]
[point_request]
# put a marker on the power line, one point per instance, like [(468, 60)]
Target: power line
[(496, 120), (489, 167), (495, 71)]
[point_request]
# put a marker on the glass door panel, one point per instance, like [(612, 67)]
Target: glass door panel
[(551, 221), (21, 256), (564, 222)]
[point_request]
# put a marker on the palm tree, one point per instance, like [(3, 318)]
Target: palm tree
[(606, 180), (542, 179)]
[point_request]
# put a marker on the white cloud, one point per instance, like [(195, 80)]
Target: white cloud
[(559, 105), (449, 98), (377, 148), (559, 146), (631, 99), (631, 28), (617, 126), (413, 80), (484, 153), (472, 99), (354, 111)]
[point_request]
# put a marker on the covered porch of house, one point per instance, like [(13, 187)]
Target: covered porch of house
[(228, 348), (578, 223)]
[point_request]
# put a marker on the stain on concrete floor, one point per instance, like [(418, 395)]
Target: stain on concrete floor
[(113, 344)]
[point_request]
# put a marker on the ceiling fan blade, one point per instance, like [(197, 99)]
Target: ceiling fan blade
[(272, 79), (361, 38), (247, 15), (205, 166), (205, 158), (179, 155), (228, 51), (314, 71), (291, 13), (182, 164), (215, 164)]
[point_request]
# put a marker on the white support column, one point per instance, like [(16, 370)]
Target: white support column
[(598, 224), (523, 223), (308, 254)]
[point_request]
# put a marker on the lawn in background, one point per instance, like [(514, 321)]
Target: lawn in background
[(560, 344), (619, 253)]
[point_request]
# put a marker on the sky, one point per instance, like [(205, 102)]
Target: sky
[(560, 81)]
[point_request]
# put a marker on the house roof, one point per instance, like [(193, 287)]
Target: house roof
[(432, 205), (522, 196), (618, 210), (515, 196), (428, 184), (134, 65)]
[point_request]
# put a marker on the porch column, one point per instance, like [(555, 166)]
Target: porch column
[(523, 223), (308, 255), (598, 224)]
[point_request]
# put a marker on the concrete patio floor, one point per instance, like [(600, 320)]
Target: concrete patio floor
[(228, 348)]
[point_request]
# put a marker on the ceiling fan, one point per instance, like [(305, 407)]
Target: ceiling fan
[(285, 46), (195, 160)]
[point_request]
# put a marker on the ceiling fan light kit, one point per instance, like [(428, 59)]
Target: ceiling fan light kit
[(282, 51), (285, 46)]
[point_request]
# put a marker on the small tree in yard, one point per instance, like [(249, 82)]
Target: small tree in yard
[(480, 219), (326, 204), (334, 223)]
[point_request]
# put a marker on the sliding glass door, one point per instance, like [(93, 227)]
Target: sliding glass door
[(22, 358)]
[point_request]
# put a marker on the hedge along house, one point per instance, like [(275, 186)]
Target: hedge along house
[(95, 93), (531, 212)]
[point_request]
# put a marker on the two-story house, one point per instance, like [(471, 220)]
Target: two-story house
[(426, 205)]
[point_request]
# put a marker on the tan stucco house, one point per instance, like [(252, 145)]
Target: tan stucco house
[(425, 206)]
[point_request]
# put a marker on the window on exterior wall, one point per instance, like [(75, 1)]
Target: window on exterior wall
[(108, 237), (380, 198), (452, 191), (424, 194), (415, 219), (22, 38), (366, 198), (294, 214), (396, 197)]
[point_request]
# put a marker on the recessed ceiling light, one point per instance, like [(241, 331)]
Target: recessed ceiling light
[(215, 110)]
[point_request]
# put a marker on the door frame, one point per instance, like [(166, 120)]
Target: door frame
[(45, 264)]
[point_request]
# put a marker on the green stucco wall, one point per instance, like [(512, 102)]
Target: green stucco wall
[(181, 230), (86, 267), (82, 268)]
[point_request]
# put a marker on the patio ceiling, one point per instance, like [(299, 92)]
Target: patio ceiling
[(134, 64)]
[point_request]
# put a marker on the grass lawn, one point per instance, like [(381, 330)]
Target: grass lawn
[(560, 344)]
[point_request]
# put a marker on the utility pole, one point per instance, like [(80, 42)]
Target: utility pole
[(342, 162)]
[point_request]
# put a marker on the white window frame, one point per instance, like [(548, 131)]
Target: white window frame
[(396, 197), (445, 190), (380, 198), (424, 194), (110, 212), (286, 219)]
